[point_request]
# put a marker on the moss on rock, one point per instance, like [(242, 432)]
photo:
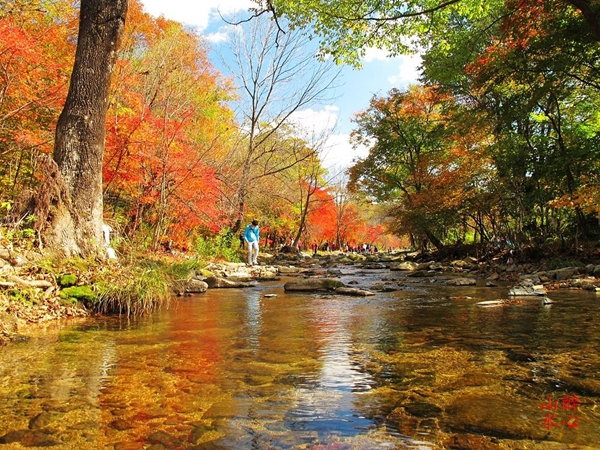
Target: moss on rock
[(80, 293)]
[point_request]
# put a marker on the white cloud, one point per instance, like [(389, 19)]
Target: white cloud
[(194, 12), (217, 38), (316, 122), (339, 153), (335, 149), (375, 54), (408, 71)]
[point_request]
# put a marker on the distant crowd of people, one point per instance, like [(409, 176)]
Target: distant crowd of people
[(250, 239)]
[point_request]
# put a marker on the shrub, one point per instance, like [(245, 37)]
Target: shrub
[(219, 247)]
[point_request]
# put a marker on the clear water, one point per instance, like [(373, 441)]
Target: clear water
[(423, 367)]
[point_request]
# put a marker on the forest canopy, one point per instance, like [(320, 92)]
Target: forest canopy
[(499, 142)]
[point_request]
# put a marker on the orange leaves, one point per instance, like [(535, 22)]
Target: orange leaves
[(35, 61), (166, 123), (322, 217)]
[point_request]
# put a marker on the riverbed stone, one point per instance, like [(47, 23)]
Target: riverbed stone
[(163, 438), (334, 273), (405, 266), (588, 284), (427, 265), (563, 274), (195, 286), (120, 424), (493, 415), (462, 281), (12, 436), (527, 291), (41, 420), (421, 273), (381, 287), (356, 292), (423, 409), (29, 438), (470, 441), (313, 284), (218, 282), (289, 270), (374, 266)]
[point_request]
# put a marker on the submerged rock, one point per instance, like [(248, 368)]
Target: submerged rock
[(493, 415), (502, 302), (383, 288), (423, 409)]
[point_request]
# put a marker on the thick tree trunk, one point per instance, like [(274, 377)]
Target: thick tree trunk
[(590, 10), (75, 225), (434, 240)]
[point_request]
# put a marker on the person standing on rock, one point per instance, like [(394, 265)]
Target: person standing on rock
[(252, 238)]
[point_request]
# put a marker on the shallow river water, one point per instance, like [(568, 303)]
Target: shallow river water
[(422, 367)]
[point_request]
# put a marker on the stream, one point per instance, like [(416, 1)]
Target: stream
[(419, 367)]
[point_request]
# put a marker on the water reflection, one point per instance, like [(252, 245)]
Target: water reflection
[(339, 379), (235, 369), (253, 318)]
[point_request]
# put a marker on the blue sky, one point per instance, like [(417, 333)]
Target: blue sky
[(378, 75)]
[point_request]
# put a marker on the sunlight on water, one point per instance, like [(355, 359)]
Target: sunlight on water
[(420, 368)]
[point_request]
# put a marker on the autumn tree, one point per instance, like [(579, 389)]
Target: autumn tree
[(69, 206), (346, 215), (277, 76), (535, 77), (36, 57), (347, 28), (168, 131), (417, 164)]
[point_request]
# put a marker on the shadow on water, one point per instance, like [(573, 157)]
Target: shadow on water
[(422, 366)]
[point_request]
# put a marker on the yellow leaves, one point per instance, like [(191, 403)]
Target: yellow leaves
[(586, 198)]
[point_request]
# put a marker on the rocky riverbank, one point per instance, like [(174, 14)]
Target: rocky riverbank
[(30, 296)]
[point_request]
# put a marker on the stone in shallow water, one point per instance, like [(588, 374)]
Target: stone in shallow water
[(120, 424), (469, 441), (162, 438), (29, 438), (353, 292), (495, 416), (42, 420), (198, 433), (12, 436), (312, 284), (423, 409)]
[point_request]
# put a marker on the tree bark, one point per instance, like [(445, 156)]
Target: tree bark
[(590, 10), (74, 226)]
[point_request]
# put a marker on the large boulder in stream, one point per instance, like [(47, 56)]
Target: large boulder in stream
[(325, 284), (218, 282), (405, 266), (313, 285), (461, 281), (355, 292), (195, 286), (526, 291)]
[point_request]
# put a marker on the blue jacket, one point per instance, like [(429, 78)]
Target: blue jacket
[(252, 234)]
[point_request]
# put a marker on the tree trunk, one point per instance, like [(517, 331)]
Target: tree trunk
[(434, 240), (590, 10), (74, 226)]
